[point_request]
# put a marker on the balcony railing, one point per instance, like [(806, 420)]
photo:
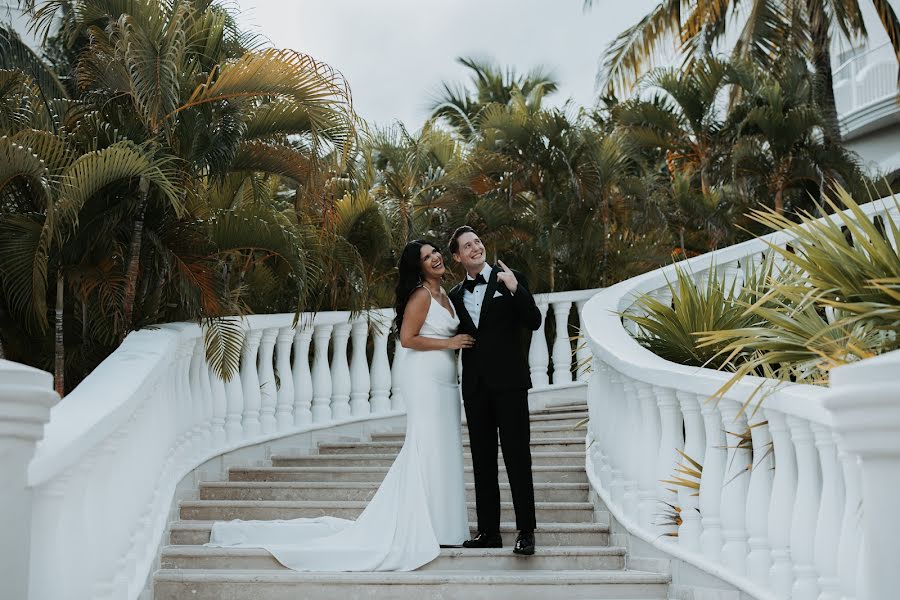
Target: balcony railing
[(102, 480), (813, 518), (865, 88)]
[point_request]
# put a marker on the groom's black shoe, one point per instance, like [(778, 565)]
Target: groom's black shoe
[(484, 540), (524, 543)]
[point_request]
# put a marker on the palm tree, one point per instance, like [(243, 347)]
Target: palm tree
[(769, 29)]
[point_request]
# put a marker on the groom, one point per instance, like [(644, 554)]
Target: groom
[(495, 306)]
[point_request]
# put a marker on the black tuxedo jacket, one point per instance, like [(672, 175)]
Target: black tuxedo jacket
[(499, 358)]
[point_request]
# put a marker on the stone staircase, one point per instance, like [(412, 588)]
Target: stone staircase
[(574, 559)]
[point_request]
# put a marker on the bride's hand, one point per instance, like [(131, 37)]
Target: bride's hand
[(460, 341)]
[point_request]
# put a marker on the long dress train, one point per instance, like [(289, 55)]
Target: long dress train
[(420, 505)]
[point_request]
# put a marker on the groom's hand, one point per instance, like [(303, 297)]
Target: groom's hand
[(507, 278)]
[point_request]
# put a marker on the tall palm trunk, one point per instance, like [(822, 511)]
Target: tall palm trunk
[(59, 351), (823, 80), (134, 258)]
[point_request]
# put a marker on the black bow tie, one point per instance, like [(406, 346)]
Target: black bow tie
[(470, 284)]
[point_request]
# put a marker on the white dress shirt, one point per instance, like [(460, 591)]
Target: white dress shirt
[(472, 300)]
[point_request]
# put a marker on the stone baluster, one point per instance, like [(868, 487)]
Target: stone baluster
[(734, 492), (538, 356), (781, 506), (340, 373), (600, 403), (694, 447), (26, 396), (321, 375), (397, 402), (851, 525), (360, 382), (582, 350), (303, 385), (219, 406), (268, 394), (711, 482), (200, 400), (830, 513), (381, 370), (631, 450), (648, 450), (250, 383), (759, 495), (863, 402), (562, 347), (284, 407), (671, 440), (806, 505), (234, 401), (614, 445), (184, 414)]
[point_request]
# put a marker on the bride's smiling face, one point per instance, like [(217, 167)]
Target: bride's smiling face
[(432, 262)]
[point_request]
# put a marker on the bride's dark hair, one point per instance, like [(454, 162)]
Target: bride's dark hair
[(409, 276)]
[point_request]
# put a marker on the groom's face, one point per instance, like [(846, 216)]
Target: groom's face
[(471, 253)]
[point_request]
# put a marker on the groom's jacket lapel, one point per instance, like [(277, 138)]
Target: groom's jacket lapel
[(456, 295), (488, 293)]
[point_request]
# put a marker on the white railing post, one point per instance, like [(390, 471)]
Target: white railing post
[(234, 404), (381, 370), (321, 375), (694, 446), (583, 349), (303, 385), (711, 482), (617, 418), (648, 448), (250, 383), (671, 440), (851, 525), (734, 491), (538, 356), (26, 396), (340, 373), (759, 495), (219, 406), (268, 397), (600, 410), (781, 506), (806, 509), (864, 402), (830, 514), (631, 463), (562, 347), (202, 396), (397, 402), (284, 408), (360, 381)]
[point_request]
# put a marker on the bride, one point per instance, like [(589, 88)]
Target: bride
[(421, 504)]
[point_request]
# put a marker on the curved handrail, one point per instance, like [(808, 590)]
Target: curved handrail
[(765, 516)]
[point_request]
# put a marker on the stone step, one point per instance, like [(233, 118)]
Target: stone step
[(572, 558), (223, 510), (569, 418), (393, 447), (386, 460), (541, 473), (550, 534), (201, 584), (538, 431), (562, 408), (333, 490)]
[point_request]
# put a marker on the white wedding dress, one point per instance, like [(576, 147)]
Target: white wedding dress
[(420, 505)]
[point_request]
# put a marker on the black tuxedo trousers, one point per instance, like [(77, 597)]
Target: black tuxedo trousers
[(495, 382)]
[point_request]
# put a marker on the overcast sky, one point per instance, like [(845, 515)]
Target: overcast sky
[(395, 53)]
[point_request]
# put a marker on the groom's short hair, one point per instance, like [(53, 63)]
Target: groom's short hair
[(454, 239)]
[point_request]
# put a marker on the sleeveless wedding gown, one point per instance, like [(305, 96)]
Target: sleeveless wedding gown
[(420, 505)]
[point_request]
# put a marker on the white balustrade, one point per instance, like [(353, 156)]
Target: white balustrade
[(381, 371), (321, 375), (340, 372), (250, 383), (807, 509), (360, 382), (284, 408), (538, 356), (303, 387), (268, 396), (562, 347)]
